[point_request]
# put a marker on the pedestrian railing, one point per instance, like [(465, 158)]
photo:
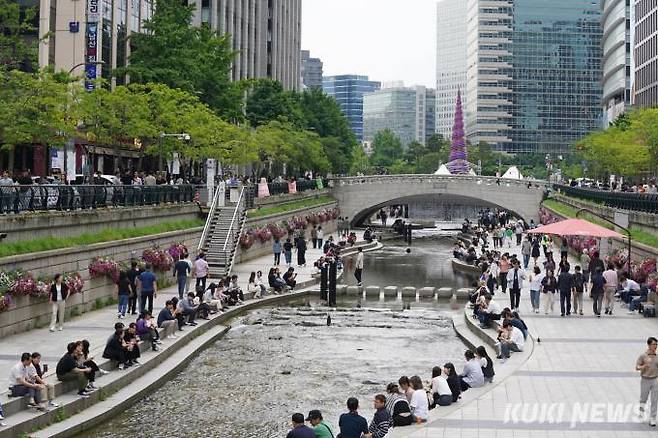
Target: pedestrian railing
[(643, 202), (282, 188), (18, 198)]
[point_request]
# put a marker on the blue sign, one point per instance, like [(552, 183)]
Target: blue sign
[(74, 26), (91, 55)]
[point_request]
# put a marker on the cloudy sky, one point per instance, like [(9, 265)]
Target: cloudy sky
[(388, 40)]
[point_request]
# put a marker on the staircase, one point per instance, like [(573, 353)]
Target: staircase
[(221, 234)]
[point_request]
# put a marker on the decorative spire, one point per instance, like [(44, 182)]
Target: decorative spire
[(458, 163)]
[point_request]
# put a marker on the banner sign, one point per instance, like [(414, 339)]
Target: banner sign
[(91, 43)]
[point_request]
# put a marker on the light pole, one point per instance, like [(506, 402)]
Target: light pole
[(66, 145)]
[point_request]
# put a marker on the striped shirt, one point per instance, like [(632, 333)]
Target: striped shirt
[(380, 423)]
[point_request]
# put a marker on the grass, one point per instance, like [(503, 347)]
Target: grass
[(283, 208), (107, 235), (568, 211)]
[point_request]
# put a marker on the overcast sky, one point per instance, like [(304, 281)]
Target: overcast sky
[(388, 40)]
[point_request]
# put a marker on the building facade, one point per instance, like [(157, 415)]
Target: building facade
[(265, 34), (348, 90), (311, 71), (407, 111), (646, 53), (451, 63), (616, 63), (534, 73)]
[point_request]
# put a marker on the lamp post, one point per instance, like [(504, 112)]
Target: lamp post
[(66, 145)]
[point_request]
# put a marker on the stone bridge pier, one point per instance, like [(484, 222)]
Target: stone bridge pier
[(359, 197)]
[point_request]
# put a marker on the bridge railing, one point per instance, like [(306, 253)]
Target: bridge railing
[(17, 198), (413, 178), (643, 202)]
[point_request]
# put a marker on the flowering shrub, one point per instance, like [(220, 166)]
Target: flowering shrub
[(247, 240), (26, 285), (177, 250), (7, 280), (263, 234), (157, 258), (5, 302), (276, 231), (105, 267), (74, 282)]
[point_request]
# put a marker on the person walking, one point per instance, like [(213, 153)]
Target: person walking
[(201, 274), (578, 290), (358, 270), (565, 286), (58, 293), (584, 262), (535, 288), (596, 291), (611, 283), (504, 265), (301, 250), (535, 250), (133, 273), (647, 365), (548, 288), (123, 294), (148, 289), (276, 250), (515, 283), (181, 271), (526, 251), (287, 252), (518, 230), (319, 237)]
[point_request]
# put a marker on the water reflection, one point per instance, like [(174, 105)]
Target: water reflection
[(276, 361)]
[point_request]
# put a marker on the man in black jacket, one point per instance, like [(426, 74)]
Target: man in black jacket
[(565, 286)]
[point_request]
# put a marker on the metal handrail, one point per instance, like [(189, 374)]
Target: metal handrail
[(235, 212), (211, 213)]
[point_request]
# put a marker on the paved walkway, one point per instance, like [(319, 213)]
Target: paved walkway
[(579, 381)]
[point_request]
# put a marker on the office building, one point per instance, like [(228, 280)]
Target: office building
[(266, 35), (406, 111), (348, 91), (617, 58), (534, 73), (311, 71), (646, 53), (450, 61)]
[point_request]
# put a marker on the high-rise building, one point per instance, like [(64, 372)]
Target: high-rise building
[(450, 61), (534, 73), (402, 110), (646, 53), (266, 35), (73, 33), (617, 58), (348, 91), (311, 70)]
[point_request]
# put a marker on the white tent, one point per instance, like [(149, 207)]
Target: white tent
[(443, 170), (513, 173)]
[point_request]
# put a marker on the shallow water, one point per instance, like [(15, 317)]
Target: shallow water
[(277, 361)]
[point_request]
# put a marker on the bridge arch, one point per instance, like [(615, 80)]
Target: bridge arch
[(358, 196)]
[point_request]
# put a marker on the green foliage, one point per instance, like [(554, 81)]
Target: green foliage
[(17, 51), (110, 234), (60, 415), (387, 149), (360, 162), (290, 206), (196, 60), (267, 101)]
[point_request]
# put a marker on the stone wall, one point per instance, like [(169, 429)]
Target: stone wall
[(260, 249), (27, 313), (33, 225)]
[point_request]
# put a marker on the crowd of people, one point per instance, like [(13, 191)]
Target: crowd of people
[(407, 401)]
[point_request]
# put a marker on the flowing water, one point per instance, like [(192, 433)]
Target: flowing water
[(280, 360)]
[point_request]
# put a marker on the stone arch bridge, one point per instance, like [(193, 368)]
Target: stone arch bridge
[(360, 197)]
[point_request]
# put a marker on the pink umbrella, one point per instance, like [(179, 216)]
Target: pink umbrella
[(576, 227)]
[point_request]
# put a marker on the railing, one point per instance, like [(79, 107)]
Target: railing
[(643, 202), (303, 185), (17, 198), (233, 227), (414, 178), (211, 213)]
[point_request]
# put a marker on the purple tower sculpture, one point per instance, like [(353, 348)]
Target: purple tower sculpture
[(458, 163)]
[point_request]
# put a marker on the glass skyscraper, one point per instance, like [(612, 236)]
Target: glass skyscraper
[(348, 91), (545, 90)]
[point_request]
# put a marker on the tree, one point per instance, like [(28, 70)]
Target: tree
[(267, 101), (436, 143), (414, 153), (360, 162), (387, 148), (615, 151), (193, 59), (16, 51)]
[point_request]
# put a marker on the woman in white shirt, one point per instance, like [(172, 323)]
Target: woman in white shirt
[(419, 404), (440, 389), (535, 287), (252, 287)]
